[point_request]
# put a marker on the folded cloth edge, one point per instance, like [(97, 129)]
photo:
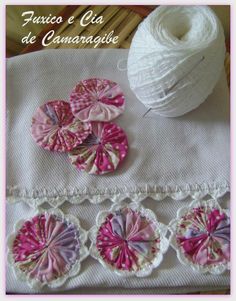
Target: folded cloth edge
[(56, 198)]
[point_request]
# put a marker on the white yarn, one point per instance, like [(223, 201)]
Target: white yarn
[(176, 58)]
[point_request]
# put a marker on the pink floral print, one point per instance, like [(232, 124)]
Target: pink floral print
[(46, 247), (127, 240), (203, 235), (56, 129), (97, 100), (102, 151)]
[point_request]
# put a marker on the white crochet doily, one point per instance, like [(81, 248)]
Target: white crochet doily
[(75, 269), (146, 270), (217, 268)]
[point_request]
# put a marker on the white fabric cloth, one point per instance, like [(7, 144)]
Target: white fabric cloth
[(168, 154), (190, 150)]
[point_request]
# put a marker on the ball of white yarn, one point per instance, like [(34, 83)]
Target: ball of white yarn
[(175, 59)]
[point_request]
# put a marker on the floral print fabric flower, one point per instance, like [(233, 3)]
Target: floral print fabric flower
[(97, 100), (127, 240), (102, 151), (203, 236), (56, 129), (46, 247)]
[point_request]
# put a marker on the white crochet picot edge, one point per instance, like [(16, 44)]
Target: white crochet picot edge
[(56, 197), (148, 268), (74, 271), (215, 269)]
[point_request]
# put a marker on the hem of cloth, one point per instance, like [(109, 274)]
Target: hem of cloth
[(56, 197)]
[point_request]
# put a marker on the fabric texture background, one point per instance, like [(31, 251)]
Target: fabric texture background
[(192, 149)]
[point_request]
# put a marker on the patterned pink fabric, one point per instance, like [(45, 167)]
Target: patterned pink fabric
[(56, 129), (97, 100), (102, 151), (46, 247), (127, 240), (203, 235)]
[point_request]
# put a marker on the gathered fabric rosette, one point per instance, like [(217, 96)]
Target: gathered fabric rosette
[(81, 127), (97, 99), (128, 240), (201, 236), (47, 249), (55, 128), (102, 151)]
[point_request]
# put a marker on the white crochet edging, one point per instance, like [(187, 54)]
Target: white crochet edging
[(74, 271), (215, 269), (148, 268), (56, 197)]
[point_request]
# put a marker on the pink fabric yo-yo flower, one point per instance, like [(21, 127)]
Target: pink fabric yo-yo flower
[(127, 240), (201, 236), (46, 247), (56, 129), (204, 236), (97, 100), (102, 151)]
